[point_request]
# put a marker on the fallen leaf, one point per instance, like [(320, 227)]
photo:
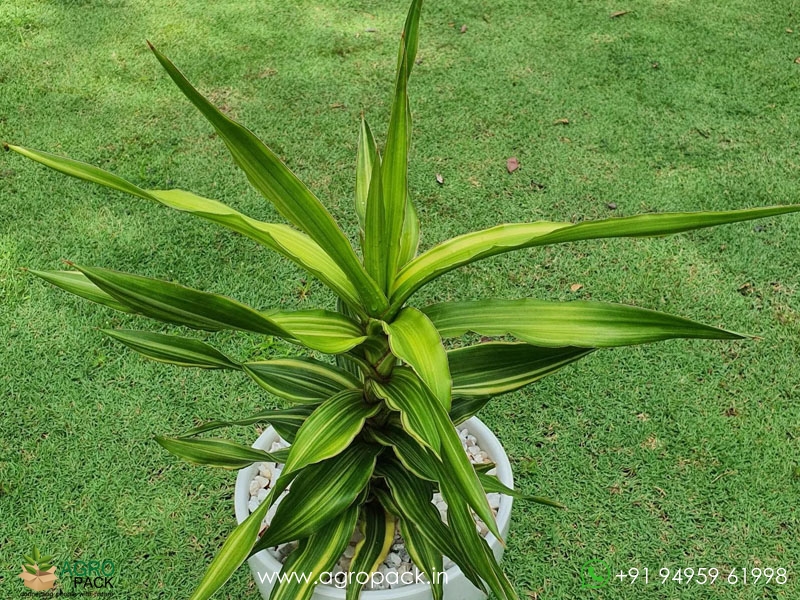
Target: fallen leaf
[(338, 105), (561, 122), (463, 29), (797, 60), (612, 206), (439, 179), (566, 140), (788, 30), (619, 13), (371, 30), (512, 164), (746, 289), (575, 287)]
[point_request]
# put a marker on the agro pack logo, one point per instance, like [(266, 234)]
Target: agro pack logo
[(90, 574)]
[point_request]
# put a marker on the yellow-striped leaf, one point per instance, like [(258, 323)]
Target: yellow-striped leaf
[(494, 368), (283, 189), (77, 283), (286, 421), (377, 527), (181, 351), (492, 485), (330, 429), (215, 452), (579, 323), (300, 380), (414, 339), (366, 157)]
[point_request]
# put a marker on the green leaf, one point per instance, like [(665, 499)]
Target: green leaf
[(377, 527), (579, 323), (323, 330), (215, 452), (319, 493), (29, 559), (425, 556), (405, 384), (286, 422), (414, 339), (408, 395), (411, 497), (283, 189), (472, 543), (414, 456), (464, 408), (330, 429), (182, 351), (77, 283), (300, 380), (37, 556), (504, 238), (463, 250), (367, 156), (409, 237), (494, 368), (374, 244), (233, 552), (285, 240), (314, 556), (394, 168), (175, 303), (31, 570), (492, 485)]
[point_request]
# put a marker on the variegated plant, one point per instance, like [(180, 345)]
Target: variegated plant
[(372, 431)]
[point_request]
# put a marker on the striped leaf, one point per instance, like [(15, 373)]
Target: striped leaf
[(182, 351), (405, 384), (366, 158), (394, 168), (377, 529), (425, 555), (77, 283), (331, 428), (411, 498), (283, 239), (464, 408), (472, 543), (215, 452), (414, 339), (579, 323), (406, 394), (374, 242), (414, 456), (319, 493), (232, 554), (286, 422), (283, 189), (178, 304), (314, 556), (492, 485), (504, 238), (300, 380), (324, 330), (496, 368)]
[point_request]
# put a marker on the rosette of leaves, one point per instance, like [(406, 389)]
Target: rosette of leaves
[(36, 563), (373, 429)]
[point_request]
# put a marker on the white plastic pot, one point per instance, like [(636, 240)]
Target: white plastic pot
[(457, 587)]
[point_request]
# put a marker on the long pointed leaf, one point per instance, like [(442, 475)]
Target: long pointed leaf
[(77, 283), (289, 242), (330, 429), (377, 528), (492, 484), (414, 339), (300, 380), (374, 244), (579, 323), (314, 556), (324, 330), (283, 189), (182, 351), (319, 493), (494, 368), (504, 238), (425, 556), (366, 157), (215, 452), (286, 421)]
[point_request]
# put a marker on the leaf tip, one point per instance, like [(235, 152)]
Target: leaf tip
[(149, 45), (6, 147)]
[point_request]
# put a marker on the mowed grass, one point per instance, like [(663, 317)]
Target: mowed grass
[(681, 454)]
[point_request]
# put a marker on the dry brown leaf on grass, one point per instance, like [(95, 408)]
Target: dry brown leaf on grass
[(561, 122), (575, 287), (618, 14), (512, 164), (439, 179), (463, 29)]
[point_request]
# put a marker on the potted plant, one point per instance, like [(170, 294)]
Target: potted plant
[(373, 431)]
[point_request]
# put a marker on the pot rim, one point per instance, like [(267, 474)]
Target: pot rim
[(488, 442)]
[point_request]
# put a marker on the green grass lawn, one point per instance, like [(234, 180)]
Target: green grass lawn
[(682, 454)]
